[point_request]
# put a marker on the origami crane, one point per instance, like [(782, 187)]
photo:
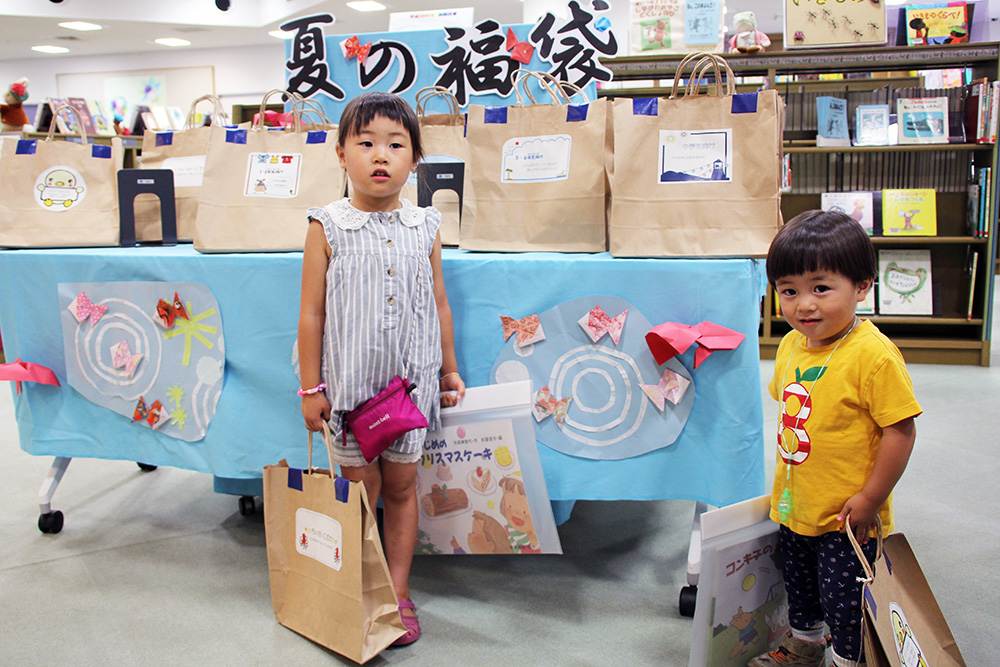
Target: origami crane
[(155, 414), (671, 338), (82, 308), (528, 329), (353, 48), (597, 323), (546, 405), (168, 312), (671, 387), (20, 371), (519, 51)]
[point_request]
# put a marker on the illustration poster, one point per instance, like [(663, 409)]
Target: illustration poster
[(480, 487), (152, 352), (742, 608), (810, 23)]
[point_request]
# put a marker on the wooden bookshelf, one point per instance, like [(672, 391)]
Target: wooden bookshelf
[(950, 335)]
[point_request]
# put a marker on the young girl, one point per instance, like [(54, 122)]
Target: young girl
[(845, 431), (374, 306)]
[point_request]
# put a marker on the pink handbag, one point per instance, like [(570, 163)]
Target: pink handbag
[(381, 421)]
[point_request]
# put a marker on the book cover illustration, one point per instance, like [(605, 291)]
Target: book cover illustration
[(871, 125), (922, 120), (831, 122), (83, 109), (909, 212), (857, 205), (905, 282), (867, 307), (937, 23)]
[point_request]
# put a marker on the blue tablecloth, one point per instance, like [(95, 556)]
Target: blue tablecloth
[(717, 459)]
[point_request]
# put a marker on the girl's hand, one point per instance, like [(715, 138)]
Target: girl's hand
[(452, 382), (862, 512), (316, 410)]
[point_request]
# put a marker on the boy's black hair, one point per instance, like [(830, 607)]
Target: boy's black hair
[(365, 107), (822, 240)]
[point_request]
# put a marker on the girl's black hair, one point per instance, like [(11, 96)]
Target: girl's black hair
[(367, 106), (818, 241)]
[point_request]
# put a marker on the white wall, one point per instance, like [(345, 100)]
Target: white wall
[(242, 75)]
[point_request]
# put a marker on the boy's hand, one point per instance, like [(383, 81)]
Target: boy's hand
[(452, 382), (316, 410), (862, 512)]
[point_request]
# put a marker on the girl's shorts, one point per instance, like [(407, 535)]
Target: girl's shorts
[(407, 449)]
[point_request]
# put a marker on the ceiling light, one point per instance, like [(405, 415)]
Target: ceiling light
[(82, 26), (172, 41), (282, 34), (366, 6), (50, 49)]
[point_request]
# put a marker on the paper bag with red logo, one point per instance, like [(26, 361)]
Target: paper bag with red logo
[(329, 579), (259, 182), (903, 624), (184, 153), (697, 174), (59, 193)]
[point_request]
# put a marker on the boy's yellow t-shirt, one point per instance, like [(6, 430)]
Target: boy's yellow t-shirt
[(832, 435)]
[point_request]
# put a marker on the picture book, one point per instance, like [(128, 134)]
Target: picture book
[(867, 307), (871, 125), (831, 122), (909, 212), (904, 279), (83, 109), (858, 205), (922, 120), (937, 23), (972, 210), (973, 266), (103, 123)]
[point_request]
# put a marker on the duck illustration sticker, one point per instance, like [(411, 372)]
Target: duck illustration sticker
[(907, 648), (60, 188)]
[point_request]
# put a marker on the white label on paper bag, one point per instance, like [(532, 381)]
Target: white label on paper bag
[(687, 156), (273, 175), (536, 159), (60, 188), (188, 171), (319, 536), (907, 647)]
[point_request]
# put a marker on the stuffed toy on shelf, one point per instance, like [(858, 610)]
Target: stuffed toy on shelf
[(747, 39), (12, 116)]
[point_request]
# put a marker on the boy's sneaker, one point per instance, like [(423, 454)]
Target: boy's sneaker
[(793, 653)]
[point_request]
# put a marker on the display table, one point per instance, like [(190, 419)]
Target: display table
[(718, 458)]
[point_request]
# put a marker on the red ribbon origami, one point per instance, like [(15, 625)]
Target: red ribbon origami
[(353, 48), (671, 338), (20, 371), (168, 312), (519, 51)]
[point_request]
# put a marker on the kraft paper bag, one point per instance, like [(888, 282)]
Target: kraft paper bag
[(258, 184), (329, 579), (443, 179), (698, 174), (903, 623), (183, 152), (539, 177), (59, 193)]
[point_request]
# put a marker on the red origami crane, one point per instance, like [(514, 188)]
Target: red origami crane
[(20, 371), (519, 51), (671, 338)]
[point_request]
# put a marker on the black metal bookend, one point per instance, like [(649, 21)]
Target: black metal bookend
[(134, 182)]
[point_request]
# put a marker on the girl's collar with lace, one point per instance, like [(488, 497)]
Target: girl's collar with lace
[(347, 217)]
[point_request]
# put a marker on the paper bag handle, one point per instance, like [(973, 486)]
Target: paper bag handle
[(522, 77), (219, 115), (328, 441), (79, 122), (425, 95), (259, 125), (869, 573), (702, 62)]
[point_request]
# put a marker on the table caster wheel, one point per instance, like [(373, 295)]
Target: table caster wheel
[(145, 467), (247, 505), (50, 522), (689, 594)]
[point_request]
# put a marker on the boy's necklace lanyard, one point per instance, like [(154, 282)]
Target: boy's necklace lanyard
[(785, 502)]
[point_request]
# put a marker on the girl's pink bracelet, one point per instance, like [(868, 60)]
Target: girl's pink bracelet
[(318, 388)]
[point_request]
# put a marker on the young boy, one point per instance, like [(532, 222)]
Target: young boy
[(845, 431)]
